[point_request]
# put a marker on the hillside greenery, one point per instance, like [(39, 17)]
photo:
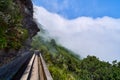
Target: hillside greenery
[(63, 64), (11, 32)]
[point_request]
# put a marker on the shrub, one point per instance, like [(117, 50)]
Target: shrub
[(12, 35)]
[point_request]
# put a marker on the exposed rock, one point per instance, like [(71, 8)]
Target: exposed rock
[(26, 8)]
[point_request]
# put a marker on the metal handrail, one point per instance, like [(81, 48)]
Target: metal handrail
[(36, 69)]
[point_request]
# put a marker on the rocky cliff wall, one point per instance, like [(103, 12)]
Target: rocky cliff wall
[(26, 9)]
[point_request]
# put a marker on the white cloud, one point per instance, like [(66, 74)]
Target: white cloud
[(84, 35)]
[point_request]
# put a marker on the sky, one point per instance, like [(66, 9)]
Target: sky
[(87, 27), (75, 8)]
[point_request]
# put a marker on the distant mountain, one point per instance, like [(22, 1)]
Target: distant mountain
[(66, 65)]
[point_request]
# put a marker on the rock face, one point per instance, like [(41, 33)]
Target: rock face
[(26, 8)]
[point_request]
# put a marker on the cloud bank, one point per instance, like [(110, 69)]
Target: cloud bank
[(84, 35)]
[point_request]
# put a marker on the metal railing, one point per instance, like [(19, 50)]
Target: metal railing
[(36, 69), (30, 66)]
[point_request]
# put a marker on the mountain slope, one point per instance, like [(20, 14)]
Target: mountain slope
[(64, 64)]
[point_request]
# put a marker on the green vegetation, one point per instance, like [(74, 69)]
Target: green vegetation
[(60, 60), (63, 64), (11, 32)]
